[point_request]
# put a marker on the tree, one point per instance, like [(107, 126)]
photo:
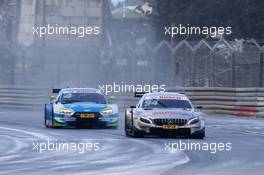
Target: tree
[(246, 17)]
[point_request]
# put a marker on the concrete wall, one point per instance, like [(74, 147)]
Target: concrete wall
[(58, 59), (61, 13), (26, 22)]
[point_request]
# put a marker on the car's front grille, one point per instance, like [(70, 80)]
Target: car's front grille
[(179, 122)]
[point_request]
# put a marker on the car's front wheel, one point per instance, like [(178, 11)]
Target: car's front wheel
[(45, 121), (199, 134), (130, 129), (137, 134), (49, 122), (48, 118)]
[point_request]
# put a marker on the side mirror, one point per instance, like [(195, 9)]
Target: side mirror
[(112, 97), (52, 98), (199, 107)]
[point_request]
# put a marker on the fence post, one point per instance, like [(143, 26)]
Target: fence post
[(233, 66), (172, 69), (261, 70), (192, 69), (212, 70)]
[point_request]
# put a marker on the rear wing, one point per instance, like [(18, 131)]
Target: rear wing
[(139, 94), (55, 91), (179, 91)]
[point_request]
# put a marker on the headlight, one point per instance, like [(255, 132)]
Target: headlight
[(193, 120), (107, 111), (145, 120), (66, 111)]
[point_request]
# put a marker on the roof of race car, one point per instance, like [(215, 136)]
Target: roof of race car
[(165, 94), (80, 90)]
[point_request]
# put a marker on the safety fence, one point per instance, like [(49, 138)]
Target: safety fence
[(217, 100), (220, 63)]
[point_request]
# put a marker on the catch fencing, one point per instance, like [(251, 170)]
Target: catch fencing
[(182, 63), (203, 63)]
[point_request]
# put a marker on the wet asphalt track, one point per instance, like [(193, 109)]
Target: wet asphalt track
[(121, 155)]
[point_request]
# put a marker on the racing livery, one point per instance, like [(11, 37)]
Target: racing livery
[(80, 106), (164, 113)]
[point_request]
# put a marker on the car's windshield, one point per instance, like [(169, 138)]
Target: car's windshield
[(165, 103), (82, 97)]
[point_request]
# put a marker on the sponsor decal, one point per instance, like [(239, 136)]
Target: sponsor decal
[(166, 97), (164, 113), (82, 91)]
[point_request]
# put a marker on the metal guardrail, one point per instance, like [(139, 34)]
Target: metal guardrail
[(234, 101), (23, 97), (218, 100)]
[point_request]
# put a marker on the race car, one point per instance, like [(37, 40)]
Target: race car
[(80, 107), (164, 113)]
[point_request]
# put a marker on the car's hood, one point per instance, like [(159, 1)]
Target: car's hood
[(169, 113), (85, 107)]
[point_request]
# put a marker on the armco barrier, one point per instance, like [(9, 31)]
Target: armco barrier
[(234, 101), (23, 97), (219, 100)]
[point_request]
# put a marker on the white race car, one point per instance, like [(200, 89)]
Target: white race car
[(164, 113)]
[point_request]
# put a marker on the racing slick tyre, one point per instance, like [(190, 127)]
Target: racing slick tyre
[(199, 135), (128, 133), (136, 134), (130, 129), (49, 123), (45, 119)]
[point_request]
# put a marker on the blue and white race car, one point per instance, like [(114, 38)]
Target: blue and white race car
[(78, 107)]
